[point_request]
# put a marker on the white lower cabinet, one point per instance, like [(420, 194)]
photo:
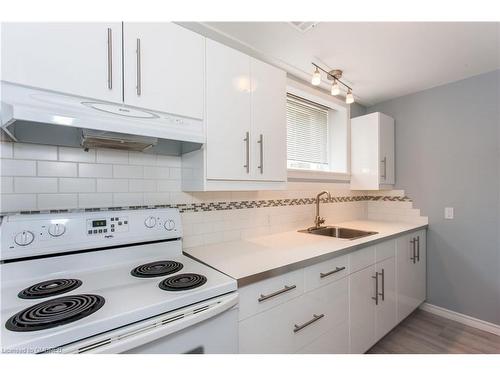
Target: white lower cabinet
[(342, 305), (411, 272)]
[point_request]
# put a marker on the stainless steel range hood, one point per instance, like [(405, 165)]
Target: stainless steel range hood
[(38, 116)]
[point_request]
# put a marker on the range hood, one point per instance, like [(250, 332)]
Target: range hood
[(39, 116)]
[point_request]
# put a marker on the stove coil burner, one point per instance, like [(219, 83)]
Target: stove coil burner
[(183, 281), (155, 269), (55, 312), (49, 288)]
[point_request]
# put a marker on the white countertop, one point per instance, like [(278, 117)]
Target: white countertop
[(266, 255)]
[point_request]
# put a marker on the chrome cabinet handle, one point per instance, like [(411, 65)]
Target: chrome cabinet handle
[(413, 258), (247, 151), (384, 160), (277, 293), (315, 318), (383, 284), (418, 248), (138, 67), (110, 59), (261, 142), (376, 288), (337, 269)]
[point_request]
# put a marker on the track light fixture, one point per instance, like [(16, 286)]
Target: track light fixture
[(332, 75)]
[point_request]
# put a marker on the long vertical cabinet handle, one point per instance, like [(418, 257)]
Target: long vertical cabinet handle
[(384, 161), (110, 58), (247, 151), (261, 142), (382, 274), (418, 248), (376, 288), (138, 66), (413, 258)]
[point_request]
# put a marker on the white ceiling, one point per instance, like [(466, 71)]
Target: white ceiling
[(382, 60)]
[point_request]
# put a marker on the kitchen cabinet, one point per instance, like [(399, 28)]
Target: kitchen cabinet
[(411, 272), (83, 59), (164, 68), (372, 152), (245, 125)]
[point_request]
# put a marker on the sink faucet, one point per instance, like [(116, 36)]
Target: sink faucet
[(318, 220)]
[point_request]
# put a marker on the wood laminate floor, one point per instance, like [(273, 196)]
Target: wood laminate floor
[(426, 333)]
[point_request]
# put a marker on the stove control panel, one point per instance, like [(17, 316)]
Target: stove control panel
[(40, 234), (108, 224)]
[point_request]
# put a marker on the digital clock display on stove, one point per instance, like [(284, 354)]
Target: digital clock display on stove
[(98, 223)]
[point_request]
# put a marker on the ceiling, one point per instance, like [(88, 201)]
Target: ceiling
[(381, 60)]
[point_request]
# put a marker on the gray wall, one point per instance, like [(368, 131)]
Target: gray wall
[(447, 154), (357, 110)]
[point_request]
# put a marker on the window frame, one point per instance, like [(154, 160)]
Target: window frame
[(325, 99)]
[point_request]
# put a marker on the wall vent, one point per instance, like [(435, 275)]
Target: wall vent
[(303, 26)]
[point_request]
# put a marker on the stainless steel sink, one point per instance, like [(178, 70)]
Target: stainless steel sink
[(339, 232)]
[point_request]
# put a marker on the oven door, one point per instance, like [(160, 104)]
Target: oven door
[(207, 327)]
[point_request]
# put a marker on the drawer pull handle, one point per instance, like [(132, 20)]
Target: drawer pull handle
[(376, 288), (277, 293), (314, 319), (337, 269)]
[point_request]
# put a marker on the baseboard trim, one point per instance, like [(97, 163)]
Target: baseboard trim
[(462, 318)]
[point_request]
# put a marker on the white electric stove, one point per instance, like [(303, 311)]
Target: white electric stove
[(110, 282)]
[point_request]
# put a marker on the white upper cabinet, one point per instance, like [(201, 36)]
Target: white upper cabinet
[(164, 68), (268, 87), (372, 152), (83, 59), (228, 113)]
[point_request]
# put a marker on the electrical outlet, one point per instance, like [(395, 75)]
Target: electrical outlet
[(448, 213)]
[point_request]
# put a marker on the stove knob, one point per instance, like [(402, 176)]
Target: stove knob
[(24, 238), (56, 230), (169, 225), (150, 222)]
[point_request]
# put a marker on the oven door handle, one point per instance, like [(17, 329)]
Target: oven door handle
[(135, 335)]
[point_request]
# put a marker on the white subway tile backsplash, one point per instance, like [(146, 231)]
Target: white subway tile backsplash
[(35, 185), (168, 161), (128, 171), (57, 201), (56, 169), (142, 185), (128, 199), (77, 185), (175, 174), (6, 149), (156, 198), (33, 151), (7, 185), (10, 167), (140, 158), (169, 185), (17, 202), (95, 170), (91, 200), (156, 172), (76, 154), (106, 156), (108, 185)]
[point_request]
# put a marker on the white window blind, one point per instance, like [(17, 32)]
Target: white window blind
[(307, 131)]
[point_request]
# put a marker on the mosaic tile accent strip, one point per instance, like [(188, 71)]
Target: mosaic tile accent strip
[(239, 205)]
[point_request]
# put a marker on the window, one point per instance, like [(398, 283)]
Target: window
[(307, 134)]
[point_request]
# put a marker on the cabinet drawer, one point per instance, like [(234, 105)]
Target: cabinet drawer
[(296, 323), (326, 272), (363, 258), (385, 250), (335, 341), (265, 294)]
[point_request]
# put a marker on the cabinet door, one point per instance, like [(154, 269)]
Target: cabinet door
[(411, 272), (164, 68), (386, 149), (386, 312), (268, 87), (362, 310), (228, 113), (82, 59)]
